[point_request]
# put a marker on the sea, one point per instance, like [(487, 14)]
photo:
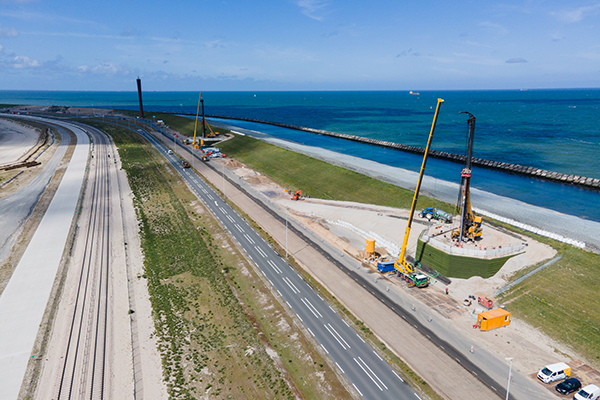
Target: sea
[(556, 130)]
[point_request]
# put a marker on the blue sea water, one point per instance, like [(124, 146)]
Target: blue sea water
[(555, 130)]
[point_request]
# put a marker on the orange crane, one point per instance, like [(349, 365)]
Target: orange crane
[(405, 268)]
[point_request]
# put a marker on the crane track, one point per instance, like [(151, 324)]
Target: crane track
[(85, 361)]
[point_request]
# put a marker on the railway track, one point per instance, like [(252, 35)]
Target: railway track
[(85, 359)]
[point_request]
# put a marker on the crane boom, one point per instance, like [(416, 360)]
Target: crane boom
[(401, 264)]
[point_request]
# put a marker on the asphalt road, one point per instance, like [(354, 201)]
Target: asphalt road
[(365, 370)]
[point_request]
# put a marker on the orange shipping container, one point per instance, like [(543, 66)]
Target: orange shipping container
[(493, 319)]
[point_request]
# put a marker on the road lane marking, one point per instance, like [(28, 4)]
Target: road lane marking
[(366, 373), (335, 337), (291, 285), (374, 374), (222, 210), (377, 355), (346, 323), (311, 332), (417, 396), (312, 308), (239, 228), (260, 251), (363, 340), (340, 368), (325, 349), (397, 376), (229, 218), (340, 336), (299, 318), (289, 305), (275, 268), (361, 395)]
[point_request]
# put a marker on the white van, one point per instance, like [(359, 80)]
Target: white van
[(590, 392), (554, 372)]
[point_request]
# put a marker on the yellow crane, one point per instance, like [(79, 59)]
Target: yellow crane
[(406, 269)]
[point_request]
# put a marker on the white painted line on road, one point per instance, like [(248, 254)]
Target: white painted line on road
[(291, 285), (346, 323), (340, 368), (374, 374), (312, 308), (262, 253), (229, 218), (340, 336), (275, 268), (366, 373), (248, 238), (361, 395), (279, 292), (493, 388), (363, 340), (311, 332), (270, 282), (331, 308), (299, 318), (397, 376), (325, 349), (377, 355), (239, 228), (335, 337), (289, 305), (212, 198), (222, 210), (417, 396)]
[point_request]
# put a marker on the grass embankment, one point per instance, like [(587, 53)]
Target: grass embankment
[(221, 332), (562, 300), (318, 178)]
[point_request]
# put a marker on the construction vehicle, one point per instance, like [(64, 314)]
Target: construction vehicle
[(406, 270), (204, 158), (297, 195), (186, 164), (435, 213), (470, 225)]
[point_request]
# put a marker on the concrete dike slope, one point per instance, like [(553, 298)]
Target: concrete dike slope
[(589, 183), (24, 299)]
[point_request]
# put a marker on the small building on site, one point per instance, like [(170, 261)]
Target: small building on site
[(493, 319)]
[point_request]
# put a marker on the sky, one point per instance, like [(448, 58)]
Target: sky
[(226, 45)]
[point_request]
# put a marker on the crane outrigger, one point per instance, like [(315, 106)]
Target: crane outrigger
[(405, 268)]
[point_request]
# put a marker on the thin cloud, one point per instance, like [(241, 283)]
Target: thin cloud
[(8, 32), (577, 14), (23, 62), (312, 8), (515, 61), (493, 26)]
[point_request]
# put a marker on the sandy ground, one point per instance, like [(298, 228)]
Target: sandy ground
[(15, 141), (359, 221)]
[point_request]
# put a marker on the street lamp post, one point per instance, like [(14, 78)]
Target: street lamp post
[(509, 376), (286, 235)]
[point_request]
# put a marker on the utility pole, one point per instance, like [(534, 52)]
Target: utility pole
[(509, 376)]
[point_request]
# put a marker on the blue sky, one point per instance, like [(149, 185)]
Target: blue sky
[(298, 44)]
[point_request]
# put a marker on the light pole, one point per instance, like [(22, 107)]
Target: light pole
[(223, 165), (509, 376), (286, 229)]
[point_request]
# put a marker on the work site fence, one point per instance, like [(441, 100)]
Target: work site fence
[(529, 228), (472, 252)]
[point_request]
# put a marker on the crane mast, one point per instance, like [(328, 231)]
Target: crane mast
[(401, 264)]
